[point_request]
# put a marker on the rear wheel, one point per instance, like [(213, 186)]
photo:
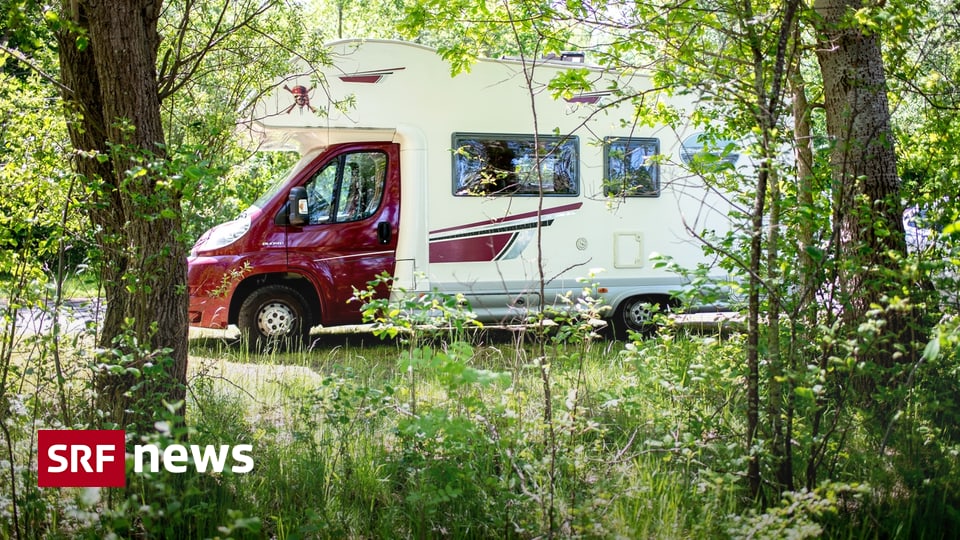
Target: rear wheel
[(637, 314), (274, 318)]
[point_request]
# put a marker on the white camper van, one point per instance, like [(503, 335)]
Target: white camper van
[(445, 183)]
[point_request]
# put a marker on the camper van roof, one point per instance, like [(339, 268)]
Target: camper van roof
[(376, 84)]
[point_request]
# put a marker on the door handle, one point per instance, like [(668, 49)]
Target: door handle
[(384, 232)]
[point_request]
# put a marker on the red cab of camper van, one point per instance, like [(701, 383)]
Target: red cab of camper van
[(293, 259)]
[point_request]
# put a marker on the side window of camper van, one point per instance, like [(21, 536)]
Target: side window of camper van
[(507, 165), (320, 193), (629, 169), (349, 188), (361, 187)]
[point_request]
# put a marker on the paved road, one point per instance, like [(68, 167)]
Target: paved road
[(73, 315)]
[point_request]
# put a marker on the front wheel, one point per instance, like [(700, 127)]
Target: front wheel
[(274, 318), (637, 314)]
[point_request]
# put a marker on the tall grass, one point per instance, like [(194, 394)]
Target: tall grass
[(377, 440), (443, 435)]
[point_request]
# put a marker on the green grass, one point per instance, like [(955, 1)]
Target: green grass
[(342, 454), (81, 285), (76, 285), (367, 438)]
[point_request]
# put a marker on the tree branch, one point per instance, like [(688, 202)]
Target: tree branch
[(35, 68)]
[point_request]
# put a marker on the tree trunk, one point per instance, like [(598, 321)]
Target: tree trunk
[(135, 209), (803, 142), (863, 160), (868, 213)]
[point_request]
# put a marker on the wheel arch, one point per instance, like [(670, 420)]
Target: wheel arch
[(298, 282), (662, 298), (616, 314)]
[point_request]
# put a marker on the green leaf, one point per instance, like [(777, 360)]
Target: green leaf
[(814, 252), (932, 350)]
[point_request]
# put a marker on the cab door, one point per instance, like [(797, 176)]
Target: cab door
[(350, 237)]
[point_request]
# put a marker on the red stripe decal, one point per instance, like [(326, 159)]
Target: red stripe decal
[(368, 77), (515, 217), (469, 249)]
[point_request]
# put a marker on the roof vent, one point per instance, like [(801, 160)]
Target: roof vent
[(573, 57)]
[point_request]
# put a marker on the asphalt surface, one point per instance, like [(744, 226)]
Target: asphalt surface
[(73, 316)]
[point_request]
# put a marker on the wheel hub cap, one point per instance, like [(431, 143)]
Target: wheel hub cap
[(639, 315), (275, 319)]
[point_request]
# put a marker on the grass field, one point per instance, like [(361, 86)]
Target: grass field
[(473, 435)]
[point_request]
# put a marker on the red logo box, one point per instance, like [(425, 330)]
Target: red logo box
[(81, 458)]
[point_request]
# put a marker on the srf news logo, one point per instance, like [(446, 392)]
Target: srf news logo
[(97, 458)]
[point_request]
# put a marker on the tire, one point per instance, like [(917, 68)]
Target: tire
[(274, 318), (637, 314)]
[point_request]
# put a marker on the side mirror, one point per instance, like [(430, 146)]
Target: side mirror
[(299, 213)]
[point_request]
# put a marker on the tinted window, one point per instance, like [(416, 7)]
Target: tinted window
[(498, 165), (629, 170)]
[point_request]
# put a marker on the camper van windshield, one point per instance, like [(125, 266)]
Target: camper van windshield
[(276, 185)]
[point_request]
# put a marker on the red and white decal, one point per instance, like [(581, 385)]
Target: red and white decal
[(492, 240), (368, 77)]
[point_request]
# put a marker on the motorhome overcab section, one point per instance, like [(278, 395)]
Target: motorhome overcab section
[(444, 183)]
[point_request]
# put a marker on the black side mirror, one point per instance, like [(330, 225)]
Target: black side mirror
[(299, 213)]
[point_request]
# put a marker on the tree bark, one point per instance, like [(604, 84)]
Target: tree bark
[(135, 208), (863, 160)]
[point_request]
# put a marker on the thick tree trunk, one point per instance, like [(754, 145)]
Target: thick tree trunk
[(113, 85), (868, 214), (863, 160), (87, 133)]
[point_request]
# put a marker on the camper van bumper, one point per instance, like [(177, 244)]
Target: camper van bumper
[(209, 312), (209, 306)]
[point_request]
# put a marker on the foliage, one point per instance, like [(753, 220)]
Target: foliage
[(208, 99), (451, 431), (800, 514), (353, 19), (464, 30), (36, 193), (372, 437)]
